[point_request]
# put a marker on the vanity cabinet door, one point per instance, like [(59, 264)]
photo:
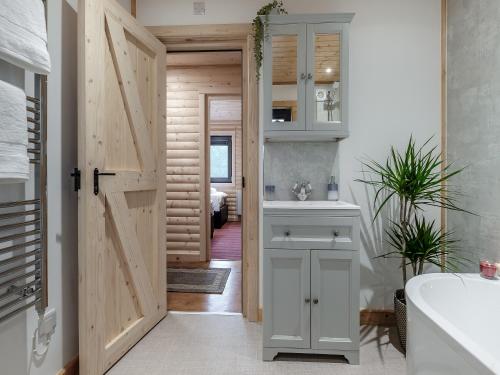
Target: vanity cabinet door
[(334, 299), (287, 307), (284, 77), (327, 82)]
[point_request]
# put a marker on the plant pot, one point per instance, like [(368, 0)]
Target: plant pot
[(400, 312)]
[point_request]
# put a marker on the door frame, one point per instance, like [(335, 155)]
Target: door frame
[(203, 94), (221, 38)]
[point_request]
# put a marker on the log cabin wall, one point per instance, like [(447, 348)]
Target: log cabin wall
[(187, 73)]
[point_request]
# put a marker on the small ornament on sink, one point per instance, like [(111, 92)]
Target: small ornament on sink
[(302, 191)]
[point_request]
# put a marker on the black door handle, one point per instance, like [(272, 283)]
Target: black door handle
[(96, 179)]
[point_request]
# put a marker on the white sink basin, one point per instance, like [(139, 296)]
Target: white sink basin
[(310, 205)]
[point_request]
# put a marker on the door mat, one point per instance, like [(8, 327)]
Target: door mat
[(197, 280)]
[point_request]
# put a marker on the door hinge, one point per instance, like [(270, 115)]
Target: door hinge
[(77, 184), (242, 181)]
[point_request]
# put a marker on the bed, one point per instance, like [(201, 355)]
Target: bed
[(219, 208)]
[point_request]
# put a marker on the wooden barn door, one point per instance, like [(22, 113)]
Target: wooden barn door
[(122, 251)]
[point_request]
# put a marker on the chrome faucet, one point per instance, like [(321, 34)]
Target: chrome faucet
[(302, 191)]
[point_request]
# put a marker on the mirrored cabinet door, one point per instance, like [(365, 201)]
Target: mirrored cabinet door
[(327, 62), (285, 77)]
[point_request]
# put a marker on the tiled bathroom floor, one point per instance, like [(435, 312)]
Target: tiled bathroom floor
[(189, 344)]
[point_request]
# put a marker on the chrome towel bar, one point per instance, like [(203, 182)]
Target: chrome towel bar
[(23, 224)]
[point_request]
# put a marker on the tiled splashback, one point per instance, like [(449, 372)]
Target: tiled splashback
[(286, 163)]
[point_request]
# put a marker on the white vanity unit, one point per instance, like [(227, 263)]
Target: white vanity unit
[(311, 278)]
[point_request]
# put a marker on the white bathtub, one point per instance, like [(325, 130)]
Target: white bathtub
[(453, 325)]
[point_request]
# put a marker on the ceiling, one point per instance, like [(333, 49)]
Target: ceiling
[(327, 59)]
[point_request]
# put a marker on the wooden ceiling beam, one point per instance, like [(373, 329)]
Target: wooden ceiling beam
[(188, 33), (210, 58)]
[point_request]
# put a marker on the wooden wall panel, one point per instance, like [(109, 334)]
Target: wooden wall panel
[(183, 152)]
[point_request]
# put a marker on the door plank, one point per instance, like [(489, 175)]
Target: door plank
[(127, 339), (131, 251), (130, 181), (91, 237), (128, 85)]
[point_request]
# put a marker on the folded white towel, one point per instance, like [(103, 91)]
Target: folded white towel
[(23, 35), (14, 161)]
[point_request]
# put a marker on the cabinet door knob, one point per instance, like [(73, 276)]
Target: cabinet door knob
[(287, 233), (309, 76), (307, 300), (335, 233), (315, 301), (303, 76)]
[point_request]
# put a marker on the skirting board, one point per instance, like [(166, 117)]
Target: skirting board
[(368, 317), (384, 318), (71, 368)]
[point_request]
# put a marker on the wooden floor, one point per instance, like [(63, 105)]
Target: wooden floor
[(229, 301)]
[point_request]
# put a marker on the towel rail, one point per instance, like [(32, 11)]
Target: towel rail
[(32, 99), (19, 225), (16, 236), (20, 310), (11, 215), (33, 121), (8, 283), (17, 269), (23, 223), (19, 203), (23, 289), (23, 256)]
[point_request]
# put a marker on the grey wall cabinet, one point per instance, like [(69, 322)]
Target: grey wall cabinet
[(311, 295), (305, 77)]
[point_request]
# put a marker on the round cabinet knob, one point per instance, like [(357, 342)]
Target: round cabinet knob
[(315, 301), (307, 300), (309, 76), (335, 233), (287, 233), (303, 76)]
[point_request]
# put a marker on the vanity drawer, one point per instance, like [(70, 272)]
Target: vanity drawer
[(299, 232)]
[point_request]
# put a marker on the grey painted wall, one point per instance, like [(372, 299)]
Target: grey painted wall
[(286, 163), (474, 122)]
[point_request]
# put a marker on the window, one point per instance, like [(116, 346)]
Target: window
[(221, 165)]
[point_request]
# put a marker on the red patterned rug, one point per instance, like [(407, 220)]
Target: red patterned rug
[(226, 243)]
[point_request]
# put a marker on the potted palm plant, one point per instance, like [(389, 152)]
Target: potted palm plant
[(413, 180)]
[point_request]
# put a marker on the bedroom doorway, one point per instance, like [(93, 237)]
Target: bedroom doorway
[(223, 121), (204, 181)]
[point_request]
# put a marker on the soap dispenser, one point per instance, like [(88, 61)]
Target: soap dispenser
[(333, 190)]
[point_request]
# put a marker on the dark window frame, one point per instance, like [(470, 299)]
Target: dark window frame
[(223, 140)]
